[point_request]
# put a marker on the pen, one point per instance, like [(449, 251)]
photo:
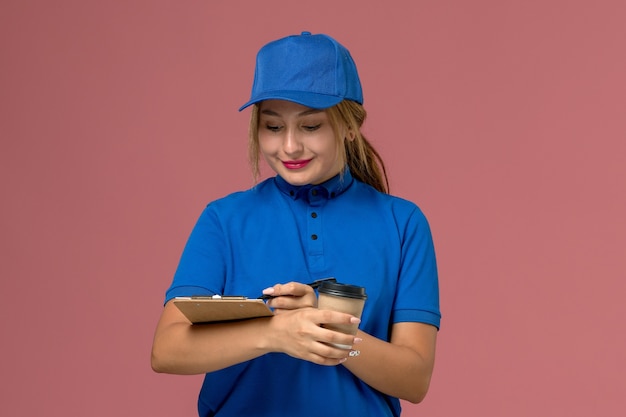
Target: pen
[(313, 285)]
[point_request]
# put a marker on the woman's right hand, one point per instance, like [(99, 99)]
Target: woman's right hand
[(298, 333)]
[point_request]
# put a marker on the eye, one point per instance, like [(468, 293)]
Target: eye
[(312, 128), (273, 128)]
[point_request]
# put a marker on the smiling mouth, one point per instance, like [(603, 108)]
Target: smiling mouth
[(296, 164)]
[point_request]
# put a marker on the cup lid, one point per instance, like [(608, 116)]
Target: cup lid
[(342, 290)]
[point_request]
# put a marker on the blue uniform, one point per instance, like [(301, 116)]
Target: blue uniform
[(276, 233)]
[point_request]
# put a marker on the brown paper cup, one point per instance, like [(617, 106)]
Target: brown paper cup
[(344, 298)]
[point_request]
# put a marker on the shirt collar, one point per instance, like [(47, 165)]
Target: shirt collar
[(330, 189)]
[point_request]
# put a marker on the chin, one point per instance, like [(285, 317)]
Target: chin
[(295, 182), (296, 179)]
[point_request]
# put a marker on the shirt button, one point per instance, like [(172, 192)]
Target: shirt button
[(291, 193), (314, 215), (314, 237)]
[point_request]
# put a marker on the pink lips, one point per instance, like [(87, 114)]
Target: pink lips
[(296, 164)]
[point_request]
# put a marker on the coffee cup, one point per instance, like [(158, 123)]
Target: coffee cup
[(344, 298)]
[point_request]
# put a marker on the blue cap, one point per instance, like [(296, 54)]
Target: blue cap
[(312, 70)]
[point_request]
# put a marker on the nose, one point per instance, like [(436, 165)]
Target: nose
[(291, 142)]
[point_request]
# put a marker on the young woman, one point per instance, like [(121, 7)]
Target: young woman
[(326, 213)]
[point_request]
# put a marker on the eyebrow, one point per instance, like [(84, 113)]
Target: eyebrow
[(270, 112)]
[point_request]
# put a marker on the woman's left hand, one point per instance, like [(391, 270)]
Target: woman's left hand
[(290, 296)]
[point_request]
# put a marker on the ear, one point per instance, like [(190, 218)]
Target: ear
[(351, 135)]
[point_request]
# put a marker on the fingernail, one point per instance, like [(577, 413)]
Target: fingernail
[(355, 320), (268, 291), (343, 360), (357, 340)]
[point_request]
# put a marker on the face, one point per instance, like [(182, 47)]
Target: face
[(298, 142)]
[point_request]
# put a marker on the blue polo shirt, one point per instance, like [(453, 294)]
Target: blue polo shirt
[(276, 233)]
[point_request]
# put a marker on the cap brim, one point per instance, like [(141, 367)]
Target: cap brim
[(307, 99)]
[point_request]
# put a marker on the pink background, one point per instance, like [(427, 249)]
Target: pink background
[(504, 120)]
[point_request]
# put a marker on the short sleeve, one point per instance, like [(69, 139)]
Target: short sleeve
[(202, 265), (417, 297)]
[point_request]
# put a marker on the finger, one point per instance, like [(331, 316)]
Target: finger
[(339, 340), (292, 302), (292, 288), (323, 354), (336, 317), (325, 361), (334, 354)]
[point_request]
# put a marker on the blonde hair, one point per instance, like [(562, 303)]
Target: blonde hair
[(364, 161)]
